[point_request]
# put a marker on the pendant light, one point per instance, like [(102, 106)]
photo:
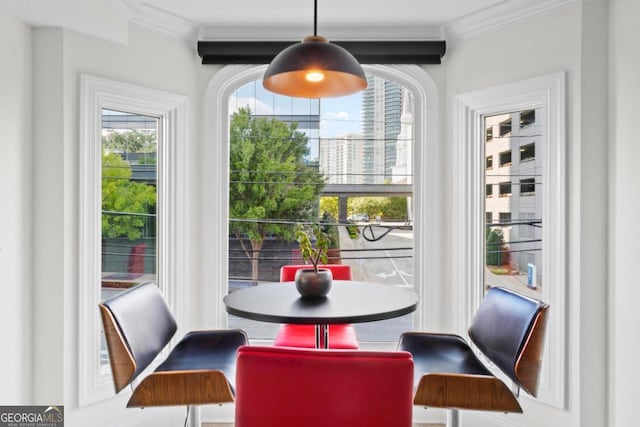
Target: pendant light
[(314, 68)]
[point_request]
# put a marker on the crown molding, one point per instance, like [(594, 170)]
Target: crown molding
[(473, 25), (494, 17), (156, 20), (141, 14)]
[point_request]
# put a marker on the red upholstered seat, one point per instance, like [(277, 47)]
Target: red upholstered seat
[(278, 386), (341, 336), (303, 336)]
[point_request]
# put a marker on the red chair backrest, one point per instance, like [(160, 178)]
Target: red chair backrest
[(339, 271), (283, 386)]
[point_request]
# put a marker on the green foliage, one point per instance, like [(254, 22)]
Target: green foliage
[(327, 224), (311, 254), (330, 205), (131, 141), (354, 231), (394, 208), (119, 194), (148, 160), (268, 179), (495, 246)]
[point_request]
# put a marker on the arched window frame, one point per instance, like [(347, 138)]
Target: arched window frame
[(427, 171)]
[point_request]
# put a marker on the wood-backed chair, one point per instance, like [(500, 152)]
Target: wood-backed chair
[(284, 386), (200, 369), (508, 329), (340, 336)]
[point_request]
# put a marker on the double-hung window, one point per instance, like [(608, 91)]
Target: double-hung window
[(133, 209), (525, 249)]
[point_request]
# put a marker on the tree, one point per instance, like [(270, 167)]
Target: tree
[(268, 180), (131, 141), (394, 208), (330, 205), (121, 195), (497, 251)]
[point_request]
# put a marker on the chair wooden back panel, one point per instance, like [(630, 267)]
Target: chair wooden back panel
[(122, 364), (530, 361)]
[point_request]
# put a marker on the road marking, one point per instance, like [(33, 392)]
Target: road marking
[(396, 267)]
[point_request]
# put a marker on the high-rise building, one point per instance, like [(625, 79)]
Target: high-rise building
[(402, 171), (513, 172), (382, 108), (341, 159)]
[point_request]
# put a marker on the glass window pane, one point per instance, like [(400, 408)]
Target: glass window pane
[(129, 196), (505, 127), (359, 139), (489, 162), (514, 244), (505, 158), (527, 152)]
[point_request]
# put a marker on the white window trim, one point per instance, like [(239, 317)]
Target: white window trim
[(172, 202), (427, 172), (548, 93)]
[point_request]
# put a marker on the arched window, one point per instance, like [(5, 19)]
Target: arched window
[(383, 137)]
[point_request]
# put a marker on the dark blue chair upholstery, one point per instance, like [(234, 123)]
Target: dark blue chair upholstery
[(144, 321), (501, 329)]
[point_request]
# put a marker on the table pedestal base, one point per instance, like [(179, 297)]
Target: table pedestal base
[(322, 336)]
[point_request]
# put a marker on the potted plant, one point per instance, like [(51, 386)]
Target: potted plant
[(313, 282)]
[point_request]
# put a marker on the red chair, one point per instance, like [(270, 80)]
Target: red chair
[(339, 271), (278, 387), (341, 336)]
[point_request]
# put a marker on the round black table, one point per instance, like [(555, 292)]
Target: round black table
[(347, 302)]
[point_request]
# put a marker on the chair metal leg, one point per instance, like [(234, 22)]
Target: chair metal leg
[(194, 416), (453, 418)]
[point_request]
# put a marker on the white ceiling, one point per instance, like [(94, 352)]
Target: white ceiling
[(276, 19), (288, 12)]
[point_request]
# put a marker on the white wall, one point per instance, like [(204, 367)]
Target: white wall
[(533, 48), (60, 56), (624, 233), (15, 213)]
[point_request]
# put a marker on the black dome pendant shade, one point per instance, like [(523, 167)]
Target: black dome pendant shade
[(314, 68)]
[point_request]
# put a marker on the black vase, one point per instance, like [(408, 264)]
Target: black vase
[(313, 285)]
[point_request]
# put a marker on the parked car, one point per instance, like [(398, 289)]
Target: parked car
[(361, 217)]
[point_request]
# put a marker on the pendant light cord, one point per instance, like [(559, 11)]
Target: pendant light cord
[(315, 17)]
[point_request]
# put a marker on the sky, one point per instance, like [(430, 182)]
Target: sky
[(338, 116)]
